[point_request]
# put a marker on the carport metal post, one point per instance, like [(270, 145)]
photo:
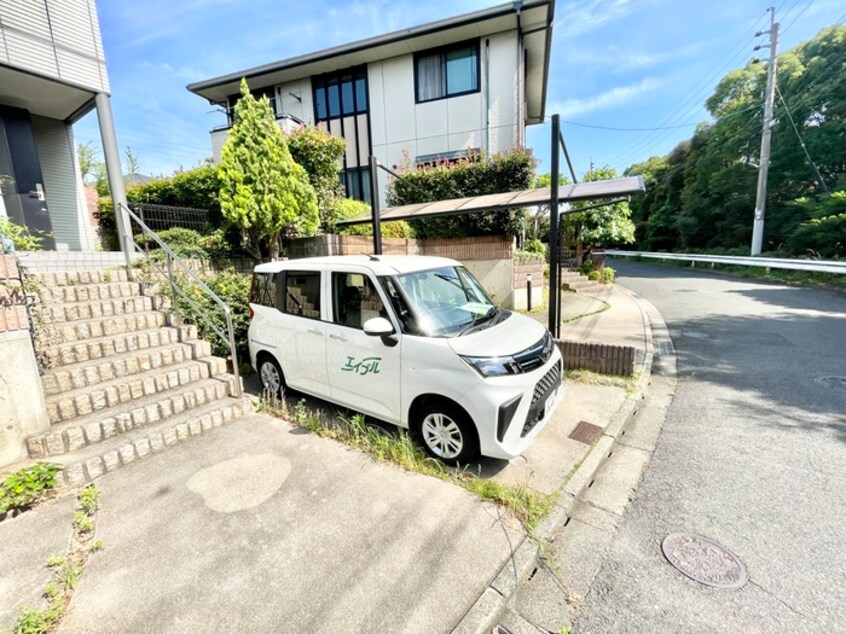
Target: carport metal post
[(554, 286), (374, 206)]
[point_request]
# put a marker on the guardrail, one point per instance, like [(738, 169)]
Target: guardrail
[(817, 266), (172, 259)]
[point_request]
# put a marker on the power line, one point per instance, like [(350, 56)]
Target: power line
[(799, 15), (802, 142), (603, 127), (675, 114)]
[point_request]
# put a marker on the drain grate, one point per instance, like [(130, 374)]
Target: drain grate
[(586, 432), (704, 561), (695, 334), (834, 382)]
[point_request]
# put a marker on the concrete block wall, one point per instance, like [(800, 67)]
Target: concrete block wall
[(23, 409), (598, 357)]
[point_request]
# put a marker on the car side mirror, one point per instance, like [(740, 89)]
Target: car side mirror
[(378, 327)]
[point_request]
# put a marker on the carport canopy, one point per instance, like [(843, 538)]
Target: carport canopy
[(591, 190)]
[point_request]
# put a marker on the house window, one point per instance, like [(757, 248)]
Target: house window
[(356, 182), (447, 72), (340, 94)]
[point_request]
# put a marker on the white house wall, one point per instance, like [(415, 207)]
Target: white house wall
[(56, 38), (402, 130), (68, 216)]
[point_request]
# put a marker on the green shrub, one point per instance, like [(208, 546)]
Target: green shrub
[(521, 255), (535, 246), (24, 487), (234, 290), (608, 275), (349, 208), (20, 237), (594, 276), (473, 176), (319, 154), (587, 267)]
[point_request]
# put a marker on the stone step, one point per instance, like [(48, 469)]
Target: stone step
[(86, 292), (88, 374), (104, 424), (95, 460), (84, 401), (75, 278), (57, 313), (49, 335), (71, 353)]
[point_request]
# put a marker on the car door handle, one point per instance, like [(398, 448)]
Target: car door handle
[(314, 331), (338, 337)]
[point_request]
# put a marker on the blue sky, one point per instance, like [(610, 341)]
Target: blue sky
[(615, 63)]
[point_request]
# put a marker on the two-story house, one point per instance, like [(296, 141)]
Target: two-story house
[(443, 90), (52, 72)]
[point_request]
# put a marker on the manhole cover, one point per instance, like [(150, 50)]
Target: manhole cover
[(704, 561), (586, 432), (695, 334), (834, 382)]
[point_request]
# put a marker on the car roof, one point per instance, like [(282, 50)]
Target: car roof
[(378, 264)]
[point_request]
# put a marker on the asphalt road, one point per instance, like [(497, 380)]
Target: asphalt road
[(752, 455)]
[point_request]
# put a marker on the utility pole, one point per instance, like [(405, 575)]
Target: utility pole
[(763, 167)]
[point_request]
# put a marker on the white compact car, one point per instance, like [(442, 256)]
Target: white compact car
[(412, 340)]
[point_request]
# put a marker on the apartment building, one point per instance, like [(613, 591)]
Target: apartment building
[(52, 72), (438, 91)]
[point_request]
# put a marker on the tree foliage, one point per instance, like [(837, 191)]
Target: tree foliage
[(262, 190), (320, 154), (474, 176), (608, 225), (702, 194), (348, 208)]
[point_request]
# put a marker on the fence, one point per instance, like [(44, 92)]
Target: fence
[(817, 266), (162, 217)]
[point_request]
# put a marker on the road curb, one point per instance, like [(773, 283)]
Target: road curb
[(484, 613)]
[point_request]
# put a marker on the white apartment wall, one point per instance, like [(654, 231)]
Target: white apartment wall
[(56, 38), (62, 184), (402, 128), (302, 108)]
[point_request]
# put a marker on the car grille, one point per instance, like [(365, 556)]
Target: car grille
[(543, 389), (547, 384), (535, 355)]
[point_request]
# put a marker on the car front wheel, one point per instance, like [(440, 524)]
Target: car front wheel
[(447, 433)]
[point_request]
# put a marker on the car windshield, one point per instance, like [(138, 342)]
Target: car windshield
[(448, 301)]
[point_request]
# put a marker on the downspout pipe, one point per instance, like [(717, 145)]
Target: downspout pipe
[(518, 5)]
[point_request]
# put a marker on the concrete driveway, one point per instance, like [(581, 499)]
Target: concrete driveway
[(260, 527)]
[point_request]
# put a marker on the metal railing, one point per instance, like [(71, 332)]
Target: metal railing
[(817, 266), (172, 260)]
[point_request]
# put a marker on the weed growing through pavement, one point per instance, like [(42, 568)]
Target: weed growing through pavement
[(66, 569), (398, 448)]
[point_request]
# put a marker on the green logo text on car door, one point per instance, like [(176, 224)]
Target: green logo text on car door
[(368, 365)]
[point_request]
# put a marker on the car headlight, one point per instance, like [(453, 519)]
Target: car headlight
[(493, 366)]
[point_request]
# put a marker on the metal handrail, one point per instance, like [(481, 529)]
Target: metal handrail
[(227, 337), (817, 266)]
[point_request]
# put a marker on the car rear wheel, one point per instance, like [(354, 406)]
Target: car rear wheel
[(447, 433), (272, 379)]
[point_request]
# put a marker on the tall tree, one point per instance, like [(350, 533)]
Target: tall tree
[(263, 191), (132, 165), (88, 161), (607, 225)]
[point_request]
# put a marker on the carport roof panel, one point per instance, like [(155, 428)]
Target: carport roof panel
[(592, 190)]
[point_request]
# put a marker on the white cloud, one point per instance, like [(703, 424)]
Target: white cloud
[(576, 18), (608, 99)]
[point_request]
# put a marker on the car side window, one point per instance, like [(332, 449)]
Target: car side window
[(302, 294), (263, 290), (355, 300)]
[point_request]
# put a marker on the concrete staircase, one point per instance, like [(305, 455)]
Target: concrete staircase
[(119, 381), (572, 280)]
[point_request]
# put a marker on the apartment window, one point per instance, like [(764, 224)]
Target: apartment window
[(447, 72), (340, 94), (356, 182)]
